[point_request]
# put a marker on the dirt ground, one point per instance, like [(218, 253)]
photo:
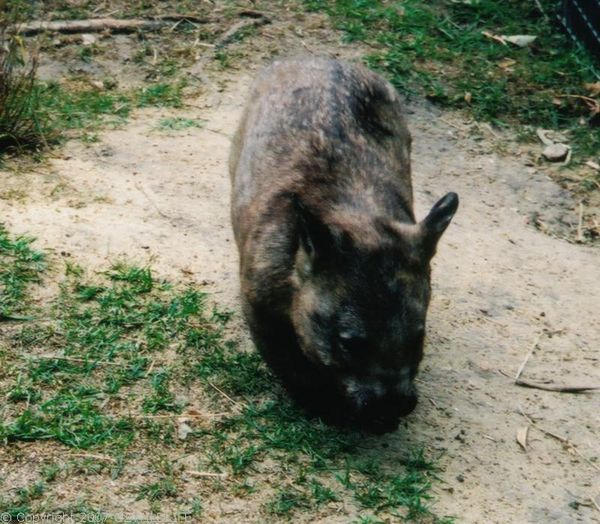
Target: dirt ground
[(501, 282)]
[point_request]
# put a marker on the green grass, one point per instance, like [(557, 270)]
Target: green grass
[(20, 266), (54, 109), (19, 123), (438, 49), (121, 355)]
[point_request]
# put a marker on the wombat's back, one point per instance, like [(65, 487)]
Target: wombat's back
[(329, 132), (334, 270)]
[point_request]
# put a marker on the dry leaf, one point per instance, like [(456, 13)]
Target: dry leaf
[(593, 165), (468, 97), (507, 63), (492, 36), (542, 135), (593, 89), (519, 40), (522, 437)]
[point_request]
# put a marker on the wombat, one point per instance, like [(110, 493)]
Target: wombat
[(334, 269)]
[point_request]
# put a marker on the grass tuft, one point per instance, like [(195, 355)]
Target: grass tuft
[(20, 125), (122, 360), (439, 49), (20, 266)]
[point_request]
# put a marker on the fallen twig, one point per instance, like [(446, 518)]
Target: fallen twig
[(158, 210), (579, 237), (97, 25), (91, 455), (541, 9), (207, 474), (593, 165), (253, 18), (234, 402), (561, 439), (592, 103), (531, 350), (492, 36), (76, 359), (228, 36), (555, 387), (14, 318), (176, 415)]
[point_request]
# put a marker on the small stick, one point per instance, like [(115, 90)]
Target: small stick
[(75, 359), (555, 387), (522, 366), (170, 415), (455, 126), (563, 440), (232, 32), (115, 25), (91, 455), (592, 103), (15, 318), (234, 402), (89, 26), (255, 19), (579, 237), (569, 156), (141, 190), (207, 474), (595, 503), (539, 6), (151, 367)]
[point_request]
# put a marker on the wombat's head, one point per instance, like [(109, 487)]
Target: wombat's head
[(360, 304)]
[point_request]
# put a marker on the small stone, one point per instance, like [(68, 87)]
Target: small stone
[(87, 39), (183, 431), (555, 152)]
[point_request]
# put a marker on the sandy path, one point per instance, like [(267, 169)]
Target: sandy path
[(498, 284)]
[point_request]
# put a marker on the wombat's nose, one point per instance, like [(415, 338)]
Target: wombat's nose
[(381, 415)]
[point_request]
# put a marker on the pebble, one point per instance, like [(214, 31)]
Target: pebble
[(555, 152)]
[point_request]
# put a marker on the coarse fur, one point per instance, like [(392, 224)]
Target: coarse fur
[(334, 270)]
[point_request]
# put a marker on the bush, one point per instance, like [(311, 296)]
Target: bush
[(19, 101)]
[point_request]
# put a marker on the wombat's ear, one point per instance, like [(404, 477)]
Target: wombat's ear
[(438, 219), (315, 237)]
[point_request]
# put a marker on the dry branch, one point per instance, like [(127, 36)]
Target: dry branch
[(93, 456), (531, 350), (555, 387), (226, 396), (76, 359), (253, 19), (228, 36), (560, 438), (98, 25), (207, 474)]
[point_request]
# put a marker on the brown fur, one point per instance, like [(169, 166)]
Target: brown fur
[(322, 215)]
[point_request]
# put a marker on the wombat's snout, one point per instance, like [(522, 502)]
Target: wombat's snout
[(382, 413)]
